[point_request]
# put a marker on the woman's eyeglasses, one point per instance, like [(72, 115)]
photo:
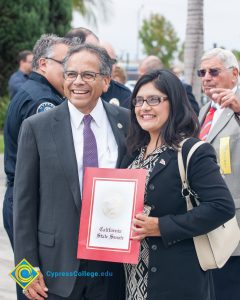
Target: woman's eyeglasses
[(151, 100), (214, 72)]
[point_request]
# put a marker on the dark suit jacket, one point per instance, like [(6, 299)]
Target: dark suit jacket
[(191, 98), (118, 91), (174, 271), (47, 201)]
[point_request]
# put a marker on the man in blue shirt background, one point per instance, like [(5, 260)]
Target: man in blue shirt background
[(21, 75)]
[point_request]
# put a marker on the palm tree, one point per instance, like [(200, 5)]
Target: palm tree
[(93, 9), (194, 45)]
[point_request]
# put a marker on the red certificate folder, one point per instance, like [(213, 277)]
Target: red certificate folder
[(111, 198)]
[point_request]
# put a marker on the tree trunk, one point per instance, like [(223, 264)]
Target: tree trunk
[(193, 50)]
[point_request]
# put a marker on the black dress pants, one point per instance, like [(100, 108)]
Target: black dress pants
[(227, 280)]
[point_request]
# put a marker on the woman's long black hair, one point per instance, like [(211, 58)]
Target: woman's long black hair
[(182, 121)]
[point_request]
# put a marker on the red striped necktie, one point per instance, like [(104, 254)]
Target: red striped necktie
[(207, 124)]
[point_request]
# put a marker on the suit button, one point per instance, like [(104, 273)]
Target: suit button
[(151, 187), (169, 243), (154, 247), (154, 269)]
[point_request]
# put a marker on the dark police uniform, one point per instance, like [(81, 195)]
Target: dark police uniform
[(118, 91), (36, 95)]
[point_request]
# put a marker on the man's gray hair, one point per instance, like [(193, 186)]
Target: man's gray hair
[(44, 47), (105, 60), (227, 58)]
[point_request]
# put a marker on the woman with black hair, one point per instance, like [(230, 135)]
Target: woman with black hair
[(168, 267)]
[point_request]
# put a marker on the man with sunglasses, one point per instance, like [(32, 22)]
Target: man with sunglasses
[(219, 73)]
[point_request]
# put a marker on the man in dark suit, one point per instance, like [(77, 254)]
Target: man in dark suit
[(153, 62), (49, 173), (219, 73)]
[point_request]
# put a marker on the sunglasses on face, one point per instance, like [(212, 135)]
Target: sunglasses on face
[(214, 72), (151, 100)]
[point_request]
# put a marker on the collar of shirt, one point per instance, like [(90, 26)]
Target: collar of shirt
[(77, 116), (106, 143), (20, 73)]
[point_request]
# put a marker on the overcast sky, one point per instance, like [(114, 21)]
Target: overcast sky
[(221, 22)]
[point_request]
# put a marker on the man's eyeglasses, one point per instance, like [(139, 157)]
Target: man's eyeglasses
[(151, 100), (86, 76), (56, 60), (214, 72)]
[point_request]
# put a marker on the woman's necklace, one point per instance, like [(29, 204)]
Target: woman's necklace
[(150, 150)]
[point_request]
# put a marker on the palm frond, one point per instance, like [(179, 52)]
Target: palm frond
[(94, 10)]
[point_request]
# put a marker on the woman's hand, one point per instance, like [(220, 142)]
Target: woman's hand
[(145, 226)]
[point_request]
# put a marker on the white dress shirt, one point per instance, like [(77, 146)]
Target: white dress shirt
[(106, 143)]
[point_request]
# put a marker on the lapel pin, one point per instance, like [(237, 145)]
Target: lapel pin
[(114, 101), (119, 125), (162, 161)]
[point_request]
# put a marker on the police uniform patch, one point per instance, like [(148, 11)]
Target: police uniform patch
[(44, 107)]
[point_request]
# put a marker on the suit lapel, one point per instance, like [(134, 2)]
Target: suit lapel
[(118, 129), (220, 124), (203, 113), (62, 135)]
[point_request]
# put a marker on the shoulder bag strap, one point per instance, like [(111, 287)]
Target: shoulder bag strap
[(186, 190)]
